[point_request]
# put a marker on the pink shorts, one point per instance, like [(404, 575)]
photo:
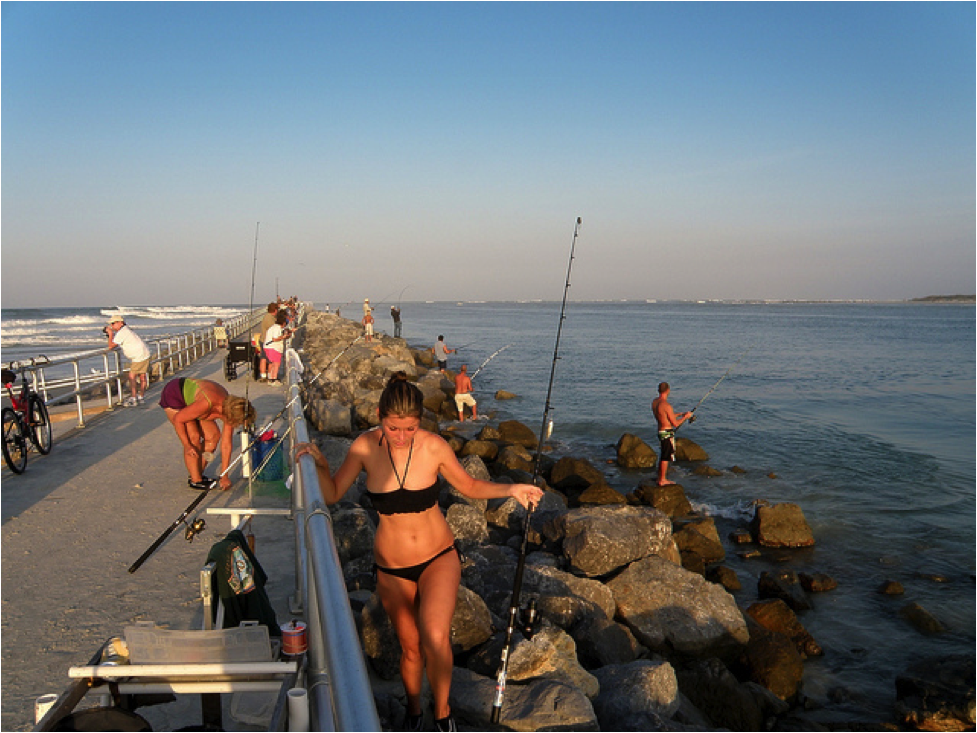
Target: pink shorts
[(275, 357)]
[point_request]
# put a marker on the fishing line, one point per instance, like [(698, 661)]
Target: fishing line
[(529, 617), (716, 385), (482, 365)]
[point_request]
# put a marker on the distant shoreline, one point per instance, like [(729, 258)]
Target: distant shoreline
[(946, 299)]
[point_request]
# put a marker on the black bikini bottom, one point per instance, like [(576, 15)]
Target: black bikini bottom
[(413, 573)]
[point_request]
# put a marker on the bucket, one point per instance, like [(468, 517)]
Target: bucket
[(274, 470), (294, 640)]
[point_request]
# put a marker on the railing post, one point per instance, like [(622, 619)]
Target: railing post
[(78, 400)]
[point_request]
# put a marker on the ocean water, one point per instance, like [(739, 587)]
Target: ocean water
[(863, 414), (56, 332)]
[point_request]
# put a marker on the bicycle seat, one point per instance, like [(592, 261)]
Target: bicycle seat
[(8, 376)]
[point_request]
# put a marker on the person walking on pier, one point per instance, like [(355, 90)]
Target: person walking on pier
[(417, 564), (193, 406), (267, 321), (274, 346), (668, 422), (135, 350)]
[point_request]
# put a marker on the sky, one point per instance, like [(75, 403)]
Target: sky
[(191, 153)]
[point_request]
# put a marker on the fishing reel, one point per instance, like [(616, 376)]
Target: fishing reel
[(194, 528), (529, 619)]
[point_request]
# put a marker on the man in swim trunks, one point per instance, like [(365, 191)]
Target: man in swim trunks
[(668, 422), (192, 407), (463, 396)]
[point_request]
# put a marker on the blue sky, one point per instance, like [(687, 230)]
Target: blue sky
[(730, 150)]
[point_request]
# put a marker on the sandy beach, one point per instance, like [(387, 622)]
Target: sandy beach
[(75, 521)]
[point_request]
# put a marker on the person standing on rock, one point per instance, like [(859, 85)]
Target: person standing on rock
[(418, 568), (463, 394), (441, 352), (395, 314), (368, 326), (668, 422)]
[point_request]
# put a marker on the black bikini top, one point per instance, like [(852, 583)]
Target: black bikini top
[(404, 501)]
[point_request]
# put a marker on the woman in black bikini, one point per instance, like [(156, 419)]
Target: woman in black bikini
[(418, 569)]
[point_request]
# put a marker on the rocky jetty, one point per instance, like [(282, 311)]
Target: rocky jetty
[(637, 628)]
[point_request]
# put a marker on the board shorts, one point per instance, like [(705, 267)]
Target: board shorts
[(369, 329), (464, 399), (139, 367), (666, 440)]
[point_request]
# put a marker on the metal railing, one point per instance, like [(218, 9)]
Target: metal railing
[(339, 691), (104, 366)]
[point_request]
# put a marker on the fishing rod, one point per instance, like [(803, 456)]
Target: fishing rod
[(716, 385), (482, 365), (529, 617)]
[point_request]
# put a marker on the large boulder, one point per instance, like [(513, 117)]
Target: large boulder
[(718, 695), (781, 525), (572, 476), (353, 532), (701, 539), (775, 615), (599, 540), (772, 661), (539, 705), (673, 611), (785, 585), (471, 624), (669, 499), (330, 417), (602, 641), (633, 452), (687, 450), (636, 696), (513, 431)]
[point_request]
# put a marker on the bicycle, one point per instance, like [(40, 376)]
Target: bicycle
[(26, 421)]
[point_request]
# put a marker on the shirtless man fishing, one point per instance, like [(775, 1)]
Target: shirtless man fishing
[(463, 394), (668, 422)]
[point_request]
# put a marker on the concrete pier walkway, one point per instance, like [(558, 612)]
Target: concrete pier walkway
[(75, 520)]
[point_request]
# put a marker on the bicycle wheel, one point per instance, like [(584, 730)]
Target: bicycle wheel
[(40, 423), (14, 444)]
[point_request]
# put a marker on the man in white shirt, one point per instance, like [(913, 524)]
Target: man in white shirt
[(135, 350)]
